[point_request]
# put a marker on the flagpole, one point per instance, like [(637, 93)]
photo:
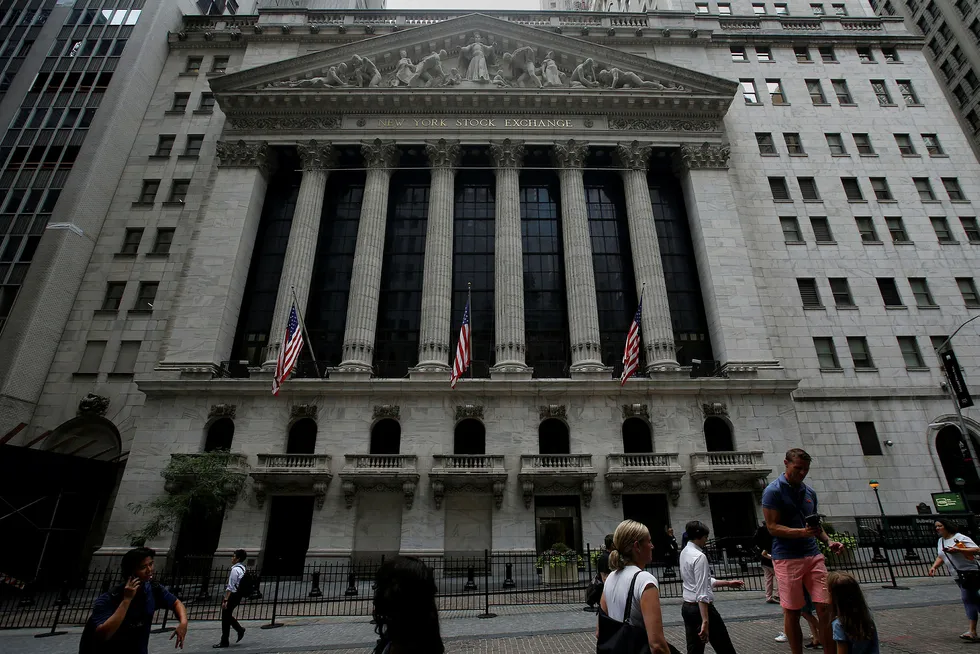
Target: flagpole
[(469, 305), (306, 336)]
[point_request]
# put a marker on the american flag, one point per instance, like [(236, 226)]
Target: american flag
[(631, 355), (292, 345), (462, 348)]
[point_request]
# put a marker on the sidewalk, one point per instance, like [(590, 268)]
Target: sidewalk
[(751, 618)]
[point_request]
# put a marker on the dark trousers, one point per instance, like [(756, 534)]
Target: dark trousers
[(228, 617), (717, 633)]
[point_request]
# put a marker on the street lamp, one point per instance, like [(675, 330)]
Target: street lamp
[(884, 529), (874, 486)]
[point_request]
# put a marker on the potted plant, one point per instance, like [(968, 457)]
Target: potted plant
[(559, 564), (848, 541)]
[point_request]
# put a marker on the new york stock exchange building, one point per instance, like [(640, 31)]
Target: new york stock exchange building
[(772, 185)]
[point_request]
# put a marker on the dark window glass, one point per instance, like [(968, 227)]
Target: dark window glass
[(545, 309), (868, 435), (396, 346)]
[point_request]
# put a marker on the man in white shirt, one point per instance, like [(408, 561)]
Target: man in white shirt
[(232, 599), (702, 622)]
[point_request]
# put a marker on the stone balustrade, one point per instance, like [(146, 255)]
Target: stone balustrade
[(564, 472), (468, 473), (644, 473), (729, 471), (288, 474), (295, 461), (380, 472)]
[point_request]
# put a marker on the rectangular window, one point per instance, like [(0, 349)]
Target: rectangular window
[(791, 229), (826, 353), (924, 187), (126, 361), (881, 92), (809, 293), (780, 192), (860, 354), (808, 188), (766, 145), (793, 143), (180, 102), (905, 145), (863, 144), (148, 193), (165, 145), (763, 53), (969, 291), (725, 8), (953, 189), (840, 9), (165, 237), (219, 65), (113, 296), (827, 54), (775, 89), (852, 189), (802, 54), (890, 55), (749, 92), (842, 292), (843, 93), (738, 53), (910, 352), (865, 55), (971, 228), (933, 146), (905, 87), (131, 242), (882, 192), (941, 226), (178, 190), (921, 293), (194, 64), (207, 103), (889, 292), (815, 89), (817, 9), (146, 297), (866, 227), (781, 9), (194, 143), (896, 227), (868, 436), (91, 358), (974, 119), (821, 229), (701, 7), (939, 343), (962, 95), (759, 8), (836, 144)]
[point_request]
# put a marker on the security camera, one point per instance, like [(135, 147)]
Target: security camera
[(889, 443), (943, 385)]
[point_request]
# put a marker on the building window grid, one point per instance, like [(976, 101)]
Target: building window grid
[(863, 144), (164, 239), (836, 144), (842, 91), (881, 92), (953, 189), (889, 292), (776, 94), (821, 229), (933, 146), (145, 297), (809, 294), (924, 188), (860, 354), (941, 226), (868, 437), (905, 145), (908, 92), (794, 144), (113, 296), (790, 227), (883, 192), (131, 240), (808, 189), (767, 147), (815, 89), (852, 189), (921, 293)]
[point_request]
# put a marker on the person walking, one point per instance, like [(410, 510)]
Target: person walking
[(232, 599), (854, 629), (670, 552), (790, 509), (121, 618), (959, 553), (602, 565), (594, 591), (632, 552), (405, 614), (763, 544), (702, 622)]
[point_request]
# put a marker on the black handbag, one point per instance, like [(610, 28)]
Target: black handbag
[(593, 593), (617, 637)]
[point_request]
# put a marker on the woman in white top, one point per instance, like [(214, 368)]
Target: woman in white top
[(959, 553), (632, 551)]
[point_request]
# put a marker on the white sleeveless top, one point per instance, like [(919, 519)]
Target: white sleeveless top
[(617, 586)]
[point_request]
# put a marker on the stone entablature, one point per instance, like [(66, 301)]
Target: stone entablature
[(729, 470), (548, 473), (468, 473), (291, 474), (644, 473), (380, 472)]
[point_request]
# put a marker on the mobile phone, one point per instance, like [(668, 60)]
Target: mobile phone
[(813, 521)]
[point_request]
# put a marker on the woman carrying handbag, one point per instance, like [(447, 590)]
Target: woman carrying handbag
[(629, 618)]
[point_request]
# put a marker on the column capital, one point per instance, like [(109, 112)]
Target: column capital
[(380, 154), (317, 155), (507, 153), (707, 156), (634, 155), (245, 154), (569, 154), (443, 153)]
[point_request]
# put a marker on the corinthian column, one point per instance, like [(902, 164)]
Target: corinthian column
[(365, 282), (437, 280), (657, 330), (297, 265), (583, 313), (508, 262)]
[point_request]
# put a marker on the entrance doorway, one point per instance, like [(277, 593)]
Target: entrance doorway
[(957, 462), (557, 519), (732, 514), (288, 536), (651, 510)]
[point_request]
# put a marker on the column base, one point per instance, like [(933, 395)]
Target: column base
[(511, 371), (430, 372), (351, 372), (590, 370), (744, 365), (666, 365)]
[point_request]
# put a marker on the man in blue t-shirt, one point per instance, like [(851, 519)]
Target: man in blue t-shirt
[(790, 509), (121, 618)]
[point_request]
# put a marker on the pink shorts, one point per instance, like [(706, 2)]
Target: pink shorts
[(794, 574)]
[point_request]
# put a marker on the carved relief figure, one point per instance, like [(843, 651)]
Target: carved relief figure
[(549, 70), (523, 62), (429, 71), (474, 60), (505, 72), (365, 72), (615, 78), (584, 75), (405, 70)]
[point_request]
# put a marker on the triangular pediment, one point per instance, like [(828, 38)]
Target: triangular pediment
[(477, 54)]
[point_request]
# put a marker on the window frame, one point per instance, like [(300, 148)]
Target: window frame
[(774, 88), (793, 142), (940, 225), (180, 102), (881, 189), (738, 54), (148, 192), (824, 222), (873, 232), (888, 289), (131, 241), (809, 190), (796, 229), (862, 342), (126, 346), (827, 356), (780, 182), (840, 290), (866, 145), (767, 146), (839, 144), (809, 293), (936, 148), (923, 186), (953, 189), (223, 68), (841, 88), (112, 299), (827, 54), (157, 241), (193, 140), (909, 347), (163, 149), (814, 88), (855, 193), (752, 93), (144, 301), (973, 300), (908, 93), (908, 148), (193, 65), (971, 227), (922, 293), (899, 228), (178, 191), (880, 89)]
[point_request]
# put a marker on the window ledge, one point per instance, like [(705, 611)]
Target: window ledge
[(216, 73), (821, 104), (875, 242), (124, 255), (972, 306), (917, 369), (160, 255), (831, 370), (804, 61), (939, 156), (790, 201), (894, 62), (795, 242), (812, 201), (973, 242), (120, 375), (159, 157), (847, 307), (869, 154), (202, 112), (889, 201), (765, 61), (931, 201), (769, 154), (84, 375), (950, 242), (916, 104), (187, 156), (911, 156), (814, 307), (106, 312), (841, 155), (826, 242), (858, 201), (959, 201), (144, 205), (903, 243), (870, 369), (139, 312), (174, 112), (173, 203), (869, 62), (888, 104), (189, 73), (848, 104), (798, 154), (896, 307), (928, 307), (782, 104)]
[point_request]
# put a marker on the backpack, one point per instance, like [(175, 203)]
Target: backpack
[(248, 584)]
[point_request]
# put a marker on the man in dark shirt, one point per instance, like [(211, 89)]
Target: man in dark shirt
[(763, 544), (121, 618), (602, 565)]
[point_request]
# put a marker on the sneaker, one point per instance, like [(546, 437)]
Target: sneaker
[(781, 638), (241, 634)]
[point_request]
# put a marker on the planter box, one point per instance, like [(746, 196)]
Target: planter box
[(562, 574)]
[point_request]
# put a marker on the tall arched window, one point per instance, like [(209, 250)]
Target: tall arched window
[(302, 437), (553, 437), (220, 434), (386, 437), (470, 437), (637, 438), (718, 435)]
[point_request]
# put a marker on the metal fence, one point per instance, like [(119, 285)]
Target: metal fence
[(475, 583)]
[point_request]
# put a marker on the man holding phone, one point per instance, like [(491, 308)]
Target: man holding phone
[(790, 510)]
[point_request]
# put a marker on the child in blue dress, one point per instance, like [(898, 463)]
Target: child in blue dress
[(854, 629)]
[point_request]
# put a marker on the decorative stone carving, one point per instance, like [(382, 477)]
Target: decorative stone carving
[(260, 492), (443, 153), (299, 411), (707, 156), (320, 494), (244, 154), (498, 493), (380, 154), (427, 73), (93, 405), (616, 78), (550, 73), (469, 411), (635, 155), (616, 491), (314, 28), (222, 411), (404, 70), (636, 411), (584, 75), (408, 489), (507, 153), (317, 155), (588, 486), (350, 492), (386, 411), (570, 154), (282, 123), (364, 73), (715, 409), (527, 490), (475, 60), (553, 411), (662, 125), (438, 491)]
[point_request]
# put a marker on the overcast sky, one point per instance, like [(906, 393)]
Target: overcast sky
[(476, 5)]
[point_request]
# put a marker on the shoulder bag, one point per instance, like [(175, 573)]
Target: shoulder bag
[(622, 637)]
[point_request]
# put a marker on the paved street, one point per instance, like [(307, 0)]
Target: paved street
[(927, 618)]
